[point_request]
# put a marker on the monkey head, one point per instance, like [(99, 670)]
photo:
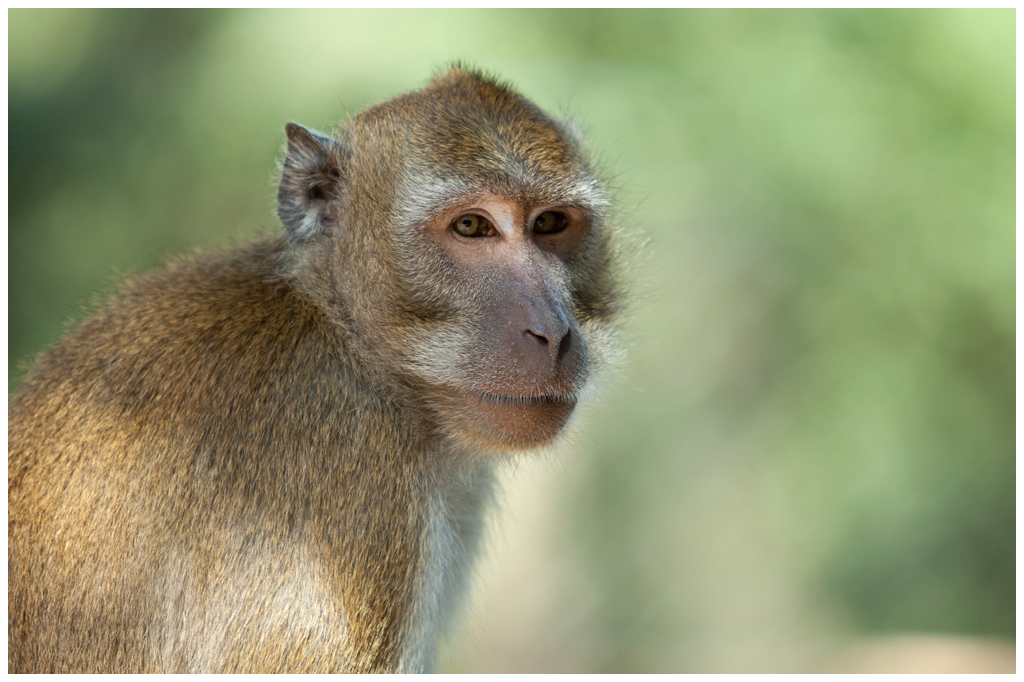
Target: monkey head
[(457, 235)]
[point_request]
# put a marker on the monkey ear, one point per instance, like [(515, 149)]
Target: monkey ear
[(310, 181)]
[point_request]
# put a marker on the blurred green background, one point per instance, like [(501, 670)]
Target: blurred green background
[(811, 445)]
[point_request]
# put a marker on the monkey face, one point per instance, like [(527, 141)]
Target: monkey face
[(509, 364)]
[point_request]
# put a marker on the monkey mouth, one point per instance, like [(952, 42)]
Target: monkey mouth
[(525, 400), (511, 422)]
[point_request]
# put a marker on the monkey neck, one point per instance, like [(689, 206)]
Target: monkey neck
[(454, 514)]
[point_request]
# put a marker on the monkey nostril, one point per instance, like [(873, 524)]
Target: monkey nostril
[(563, 345), (543, 340), (560, 349)]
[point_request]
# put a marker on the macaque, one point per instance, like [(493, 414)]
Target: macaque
[(277, 458)]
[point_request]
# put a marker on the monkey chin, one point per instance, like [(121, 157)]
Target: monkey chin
[(506, 423)]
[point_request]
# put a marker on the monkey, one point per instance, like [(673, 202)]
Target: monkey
[(279, 457)]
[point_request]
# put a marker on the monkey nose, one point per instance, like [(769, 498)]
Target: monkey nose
[(543, 341)]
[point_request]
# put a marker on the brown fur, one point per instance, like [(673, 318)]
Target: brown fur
[(263, 460)]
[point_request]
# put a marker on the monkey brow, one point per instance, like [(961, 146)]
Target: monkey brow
[(427, 195)]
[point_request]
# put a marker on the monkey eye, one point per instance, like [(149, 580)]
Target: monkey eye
[(550, 222), (473, 225)]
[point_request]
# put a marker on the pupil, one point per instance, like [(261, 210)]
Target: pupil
[(468, 225)]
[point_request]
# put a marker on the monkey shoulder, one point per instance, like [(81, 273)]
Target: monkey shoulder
[(217, 346)]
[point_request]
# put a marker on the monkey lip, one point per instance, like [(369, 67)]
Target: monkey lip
[(525, 400), (513, 421)]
